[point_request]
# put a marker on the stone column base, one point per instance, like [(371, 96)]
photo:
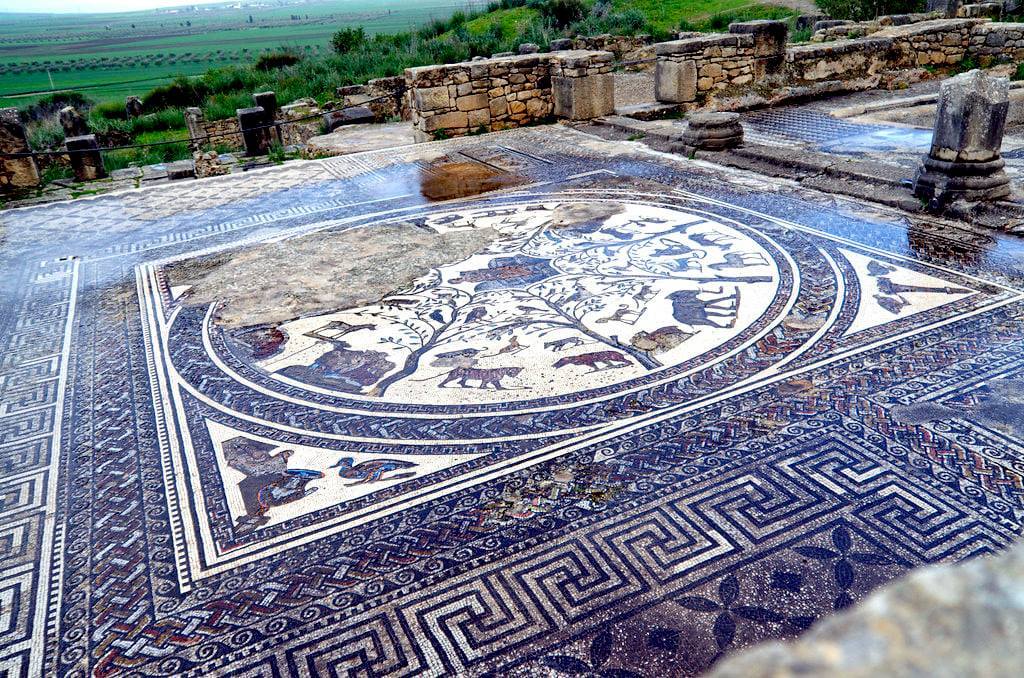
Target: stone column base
[(948, 181)]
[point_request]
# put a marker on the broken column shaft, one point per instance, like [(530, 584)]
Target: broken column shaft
[(255, 134), (964, 160), (86, 159), (712, 132)]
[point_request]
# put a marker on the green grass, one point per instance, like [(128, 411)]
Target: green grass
[(666, 15)]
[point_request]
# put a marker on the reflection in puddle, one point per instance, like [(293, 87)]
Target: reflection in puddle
[(463, 179)]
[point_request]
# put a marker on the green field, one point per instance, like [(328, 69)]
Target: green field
[(108, 56)]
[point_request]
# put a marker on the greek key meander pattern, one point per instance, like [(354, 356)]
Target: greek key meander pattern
[(697, 514)]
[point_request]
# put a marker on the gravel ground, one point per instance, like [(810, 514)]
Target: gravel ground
[(634, 88)]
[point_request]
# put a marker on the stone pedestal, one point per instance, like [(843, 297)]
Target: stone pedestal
[(584, 98), (255, 135), (713, 132), (19, 172), (675, 82), (73, 123), (133, 107), (964, 160), (86, 159)]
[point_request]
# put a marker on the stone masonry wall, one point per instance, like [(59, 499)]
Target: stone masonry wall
[(691, 71), (493, 94), (202, 133)]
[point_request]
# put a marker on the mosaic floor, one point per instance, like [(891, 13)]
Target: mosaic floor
[(665, 413)]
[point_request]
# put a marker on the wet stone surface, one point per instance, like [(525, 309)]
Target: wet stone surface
[(589, 408)]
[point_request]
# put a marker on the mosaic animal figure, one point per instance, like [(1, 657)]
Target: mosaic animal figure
[(623, 314), (338, 328), (343, 369), (712, 239), (597, 361), (371, 471), (660, 340), (689, 309), (673, 249), (740, 260), (507, 272), (512, 347), (646, 294), (478, 313), (268, 481), (466, 357), (559, 345), (487, 377)]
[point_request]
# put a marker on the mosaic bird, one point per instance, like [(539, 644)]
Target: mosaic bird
[(371, 471), (478, 313)]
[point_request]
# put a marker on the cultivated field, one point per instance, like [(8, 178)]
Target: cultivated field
[(108, 56)]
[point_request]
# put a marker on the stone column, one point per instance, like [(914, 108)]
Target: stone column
[(133, 107), (17, 172), (583, 86), (73, 123), (255, 136), (964, 160), (86, 159)]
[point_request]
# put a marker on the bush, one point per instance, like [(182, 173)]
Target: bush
[(560, 13), (50, 104), (348, 39), (110, 110), (276, 60), (863, 10), (182, 92), (1019, 73)]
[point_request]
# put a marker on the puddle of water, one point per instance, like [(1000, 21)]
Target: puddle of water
[(897, 139), (463, 179)]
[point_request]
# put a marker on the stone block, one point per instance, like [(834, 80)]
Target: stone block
[(431, 99), (181, 169), (255, 135), (529, 48), (584, 98), (133, 107), (473, 102), (73, 122), (453, 120), (675, 82), (86, 159), (561, 45), (268, 102), (19, 172), (499, 107)]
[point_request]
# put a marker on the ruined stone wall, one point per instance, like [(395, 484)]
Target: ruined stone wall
[(686, 69), (939, 42), (209, 133), (992, 40), (493, 94), (839, 59), (386, 97), (691, 70)]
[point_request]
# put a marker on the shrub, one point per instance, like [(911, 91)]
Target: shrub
[(1019, 73), (180, 93), (110, 110), (50, 104), (560, 13), (276, 60), (862, 10), (348, 39)]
